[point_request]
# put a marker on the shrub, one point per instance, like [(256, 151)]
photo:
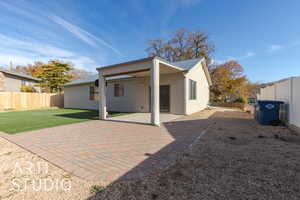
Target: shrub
[(26, 88), (97, 189), (240, 100)]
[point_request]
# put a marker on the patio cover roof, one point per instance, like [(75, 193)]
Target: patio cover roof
[(184, 66)]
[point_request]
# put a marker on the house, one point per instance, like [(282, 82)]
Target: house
[(12, 81), (145, 85)]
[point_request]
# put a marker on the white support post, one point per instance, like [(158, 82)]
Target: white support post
[(155, 93), (186, 93), (102, 97)]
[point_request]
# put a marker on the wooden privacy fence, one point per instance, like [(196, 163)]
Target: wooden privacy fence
[(23, 100)]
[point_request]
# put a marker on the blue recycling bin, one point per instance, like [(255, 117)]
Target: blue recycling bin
[(268, 112)]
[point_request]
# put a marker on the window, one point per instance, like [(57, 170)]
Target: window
[(119, 90), (193, 89), (23, 82), (94, 93)]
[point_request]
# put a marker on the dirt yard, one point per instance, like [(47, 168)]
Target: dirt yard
[(235, 159)]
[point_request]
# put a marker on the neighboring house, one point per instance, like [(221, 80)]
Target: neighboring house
[(12, 81), (139, 85)]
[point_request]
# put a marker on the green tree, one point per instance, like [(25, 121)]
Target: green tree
[(54, 75), (181, 46)]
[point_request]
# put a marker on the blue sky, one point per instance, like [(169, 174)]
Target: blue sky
[(263, 35)]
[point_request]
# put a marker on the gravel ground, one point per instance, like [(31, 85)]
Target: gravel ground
[(24, 175), (236, 159)]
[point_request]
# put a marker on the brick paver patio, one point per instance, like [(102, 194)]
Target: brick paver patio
[(108, 150)]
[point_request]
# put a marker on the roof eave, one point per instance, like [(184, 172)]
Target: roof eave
[(126, 63)]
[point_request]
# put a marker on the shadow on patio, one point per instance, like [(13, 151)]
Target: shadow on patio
[(184, 132)]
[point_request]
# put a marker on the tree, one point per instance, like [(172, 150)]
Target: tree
[(181, 46), (79, 74), (54, 75), (32, 70), (229, 82)]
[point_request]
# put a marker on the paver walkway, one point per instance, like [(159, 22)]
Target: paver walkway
[(144, 118), (107, 150)]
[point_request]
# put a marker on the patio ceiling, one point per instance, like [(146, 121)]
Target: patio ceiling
[(138, 68)]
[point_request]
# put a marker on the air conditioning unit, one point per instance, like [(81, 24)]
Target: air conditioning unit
[(284, 113)]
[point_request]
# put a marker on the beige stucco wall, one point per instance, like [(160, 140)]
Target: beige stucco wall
[(14, 83), (78, 96), (295, 107), (202, 93), (267, 93), (287, 91), (136, 94), (176, 82), (283, 91), (134, 99), (2, 77)]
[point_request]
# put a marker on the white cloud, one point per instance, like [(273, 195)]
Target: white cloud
[(243, 57), (188, 2), (32, 46), (172, 6), (275, 47), (22, 52), (247, 55), (5, 60), (82, 62), (83, 34)]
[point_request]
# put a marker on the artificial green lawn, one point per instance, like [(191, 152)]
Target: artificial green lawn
[(20, 121)]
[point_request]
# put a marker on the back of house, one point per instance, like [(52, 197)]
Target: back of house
[(181, 91)]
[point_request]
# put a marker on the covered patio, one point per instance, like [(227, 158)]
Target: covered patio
[(152, 69)]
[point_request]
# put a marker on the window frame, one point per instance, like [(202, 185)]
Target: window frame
[(23, 82), (94, 93), (192, 89), (119, 90)]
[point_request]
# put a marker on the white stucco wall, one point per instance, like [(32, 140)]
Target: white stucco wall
[(134, 99), (78, 96), (283, 91), (267, 93), (202, 93), (136, 94), (295, 108), (287, 91), (176, 83)]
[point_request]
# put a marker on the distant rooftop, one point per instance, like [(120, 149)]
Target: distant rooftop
[(19, 75)]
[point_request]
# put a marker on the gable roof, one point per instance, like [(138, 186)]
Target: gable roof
[(187, 64), (19, 75), (184, 65)]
